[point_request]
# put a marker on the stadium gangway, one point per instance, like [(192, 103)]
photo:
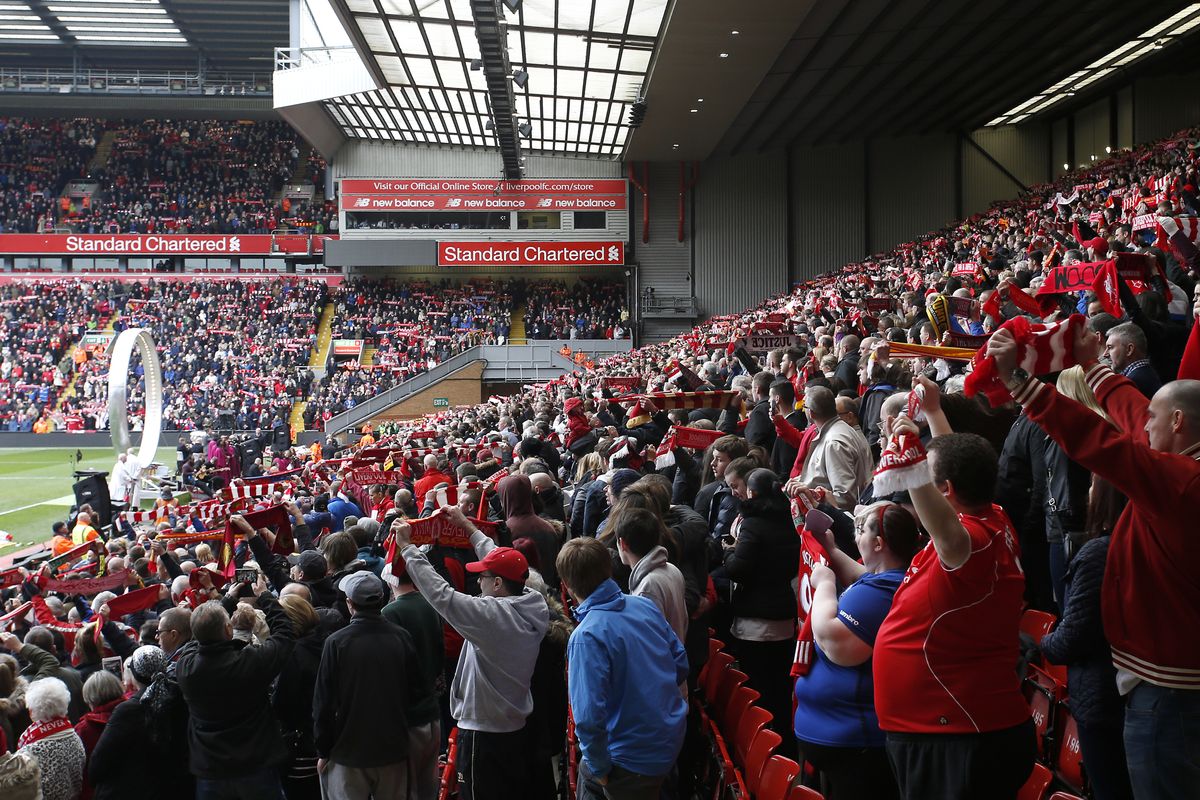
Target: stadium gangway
[(518, 363)]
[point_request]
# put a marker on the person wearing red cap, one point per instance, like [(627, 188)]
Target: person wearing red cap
[(503, 629)]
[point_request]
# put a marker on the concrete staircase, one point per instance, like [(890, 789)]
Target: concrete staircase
[(316, 362), (320, 353), (368, 356), (72, 387), (103, 148), (516, 331)]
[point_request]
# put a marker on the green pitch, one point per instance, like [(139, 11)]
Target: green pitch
[(35, 487)]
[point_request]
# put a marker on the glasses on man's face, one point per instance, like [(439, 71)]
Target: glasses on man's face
[(485, 576)]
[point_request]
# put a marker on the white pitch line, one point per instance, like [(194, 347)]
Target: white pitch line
[(65, 500)]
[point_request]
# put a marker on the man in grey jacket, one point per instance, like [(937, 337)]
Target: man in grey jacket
[(639, 533), (503, 629)]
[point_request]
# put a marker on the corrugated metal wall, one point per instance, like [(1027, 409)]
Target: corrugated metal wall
[(1022, 151), (827, 209), (911, 188), (358, 159), (1092, 132), (1058, 147), (1164, 104), (664, 262), (741, 231), (1124, 118)]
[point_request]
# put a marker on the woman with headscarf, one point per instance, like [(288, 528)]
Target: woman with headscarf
[(51, 740), (102, 692), (148, 723)]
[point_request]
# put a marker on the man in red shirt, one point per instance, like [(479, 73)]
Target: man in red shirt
[(946, 687), (1150, 600), (435, 472)]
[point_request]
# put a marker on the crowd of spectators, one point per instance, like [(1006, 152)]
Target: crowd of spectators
[(956, 443), (40, 323), (588, 309), (37, 160), (411, 327), (160, 176)]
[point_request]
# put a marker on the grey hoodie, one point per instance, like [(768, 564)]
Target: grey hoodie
[(661, 581), (490, 691)]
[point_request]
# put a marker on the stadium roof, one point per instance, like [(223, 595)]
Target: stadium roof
[(724, 77), (579, 66), (234, 36)]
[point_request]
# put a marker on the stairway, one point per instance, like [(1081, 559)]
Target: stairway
[(103, 148), (320, 353), (71, 389), (368, 356), (316, 362), (516, 331)]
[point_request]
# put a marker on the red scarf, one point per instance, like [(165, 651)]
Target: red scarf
[(44, 730)]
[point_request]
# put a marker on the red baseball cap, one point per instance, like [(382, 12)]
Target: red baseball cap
[(505, 562)]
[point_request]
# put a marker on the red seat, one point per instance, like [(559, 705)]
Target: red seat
[(1068, 761), (1064, 796), (1035, 787), (714, 646), (1044, 694), (713, 672), (719, 702), (1037, 623), (740, 701), (753, 721), (761, 749), (777, 776), (805, 793)]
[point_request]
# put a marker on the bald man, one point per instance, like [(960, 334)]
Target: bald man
[(1150, 595)]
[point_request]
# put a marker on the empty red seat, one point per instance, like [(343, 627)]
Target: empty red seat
[(1035, 787), (753, 721), (1068, 760), (742, 699), (777, 776), (761, 749), (1044, 694), (804, 793), (713, 672), (731, 679)]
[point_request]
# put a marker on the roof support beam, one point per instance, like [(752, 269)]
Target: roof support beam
[(493, 50)]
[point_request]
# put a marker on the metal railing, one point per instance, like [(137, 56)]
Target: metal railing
[(134, 82), (294, 57), (520, 363), (655, 305)]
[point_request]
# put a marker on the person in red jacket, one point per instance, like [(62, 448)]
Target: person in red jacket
[(1151, 592), (436, 471), (944, 663)]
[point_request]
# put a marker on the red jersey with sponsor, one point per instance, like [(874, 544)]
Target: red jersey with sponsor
[(945, 660)]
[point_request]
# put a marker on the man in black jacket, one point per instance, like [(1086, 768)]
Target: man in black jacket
[(369, 678), (783, 455), (234, 742), (760, 430)]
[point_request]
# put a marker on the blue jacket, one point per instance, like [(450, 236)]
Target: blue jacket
[(626, 665), (340, 509)]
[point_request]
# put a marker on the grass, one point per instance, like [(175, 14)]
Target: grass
[(35, 487)]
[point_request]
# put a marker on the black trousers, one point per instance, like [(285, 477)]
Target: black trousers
[(768, 668), (852, 773), (493, 766), (968, 766)]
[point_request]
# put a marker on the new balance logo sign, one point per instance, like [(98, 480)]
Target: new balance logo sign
[(362, 202), (545, 202), (454, 202)]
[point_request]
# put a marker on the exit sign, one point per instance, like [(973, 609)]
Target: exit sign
[(441, 402)]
